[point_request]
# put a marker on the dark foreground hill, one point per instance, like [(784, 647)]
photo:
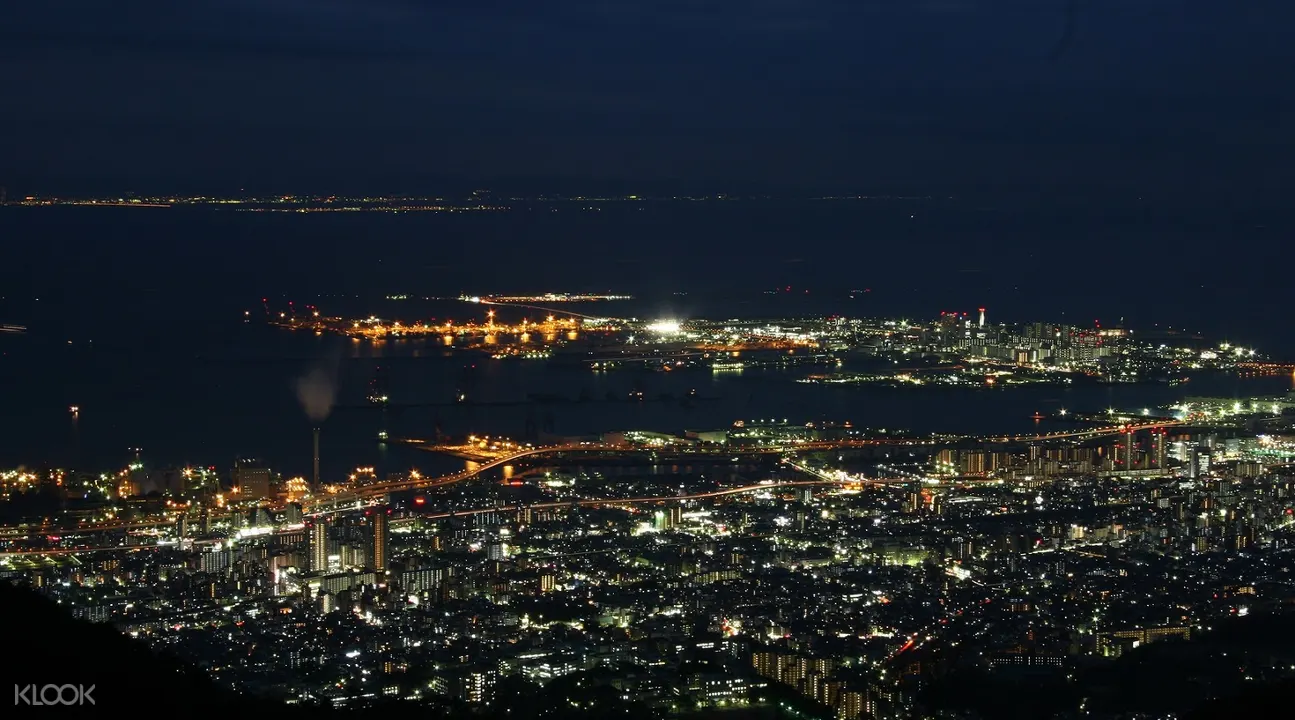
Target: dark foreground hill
[(48, 646)]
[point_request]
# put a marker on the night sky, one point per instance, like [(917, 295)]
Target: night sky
[(285, 95)]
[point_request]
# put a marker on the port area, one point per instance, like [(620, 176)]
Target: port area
[(477, 448)]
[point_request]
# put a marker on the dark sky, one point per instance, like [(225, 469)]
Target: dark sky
[(772, 94)]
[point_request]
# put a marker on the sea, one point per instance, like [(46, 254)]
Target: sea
[(151, 321)]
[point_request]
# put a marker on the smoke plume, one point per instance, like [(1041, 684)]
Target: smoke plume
[(317, 391)]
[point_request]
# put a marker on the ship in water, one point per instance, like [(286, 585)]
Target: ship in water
[(378, 387)]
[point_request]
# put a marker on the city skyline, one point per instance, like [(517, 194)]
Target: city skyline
[(648, 359)]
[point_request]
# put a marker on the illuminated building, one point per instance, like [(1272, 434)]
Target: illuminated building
[(467, 685), (319, 545), (497, 551), (667, 519), (215, 561), (854, 704), (1112, 642), (251, 479), (378, 539), (1126, 451), (422, 580), (1198, 461), (1158, 448)]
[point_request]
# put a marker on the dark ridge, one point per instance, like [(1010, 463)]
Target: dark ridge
[(50, 646), (1270, 700)]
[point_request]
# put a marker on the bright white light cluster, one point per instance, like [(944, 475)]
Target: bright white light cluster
[(665, 327)]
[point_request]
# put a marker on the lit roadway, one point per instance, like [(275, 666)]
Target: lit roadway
[(635, 500), (378, 489), (84, 550), (603, 502), (347, 501), (1089, 433), (832, 476)]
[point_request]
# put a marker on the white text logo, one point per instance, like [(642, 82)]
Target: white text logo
[(53, 695)]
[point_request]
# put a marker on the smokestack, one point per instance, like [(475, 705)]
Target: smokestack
[(316, 475), (982, 317)]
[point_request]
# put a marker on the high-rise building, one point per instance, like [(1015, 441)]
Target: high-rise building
[(1198, 462), (319, 545), (1127, 448), (252, 479), (378, 538), (497, 551), (416, 581), (1159, 451), (915, 502), (354, 555)]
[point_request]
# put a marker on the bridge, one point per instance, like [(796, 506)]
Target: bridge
[(355, 499), (21, 532), (440, 481), (596, 502), (615, 502), (1265, 366), (94, 549), (372, 494), (1089, 433), (841, 477)]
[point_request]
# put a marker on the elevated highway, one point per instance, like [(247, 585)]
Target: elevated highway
[(616, 502), (371, 494), (591, 502)]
